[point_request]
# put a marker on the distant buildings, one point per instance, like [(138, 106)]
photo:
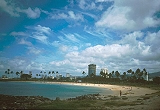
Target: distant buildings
[(91, 69), (105, 71), (145, 77), (68, 75)]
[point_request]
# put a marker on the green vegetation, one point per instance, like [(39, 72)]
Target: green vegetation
[(120, 103), (63, 104)]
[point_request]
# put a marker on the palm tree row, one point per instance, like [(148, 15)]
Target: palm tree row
[(8, 72), (44, 75), (131, 74)]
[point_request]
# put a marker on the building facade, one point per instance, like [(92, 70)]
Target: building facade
[(91, 69)]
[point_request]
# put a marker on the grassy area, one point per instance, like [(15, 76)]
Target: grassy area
[(86, 104), (64, 104)]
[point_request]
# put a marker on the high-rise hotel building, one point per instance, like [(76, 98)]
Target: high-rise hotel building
[(91, 69)]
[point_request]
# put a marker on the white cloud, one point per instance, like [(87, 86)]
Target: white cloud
[(68, 16), (41, 33), (43, 29), (34, 50), (114, 50), (35, 13), (42, 38), (83, 4), (103, 1), (130, 15), (18, 34), (25, 42), (71, 37), (131, 38), (64, 48), (129, 52), (9, 8)]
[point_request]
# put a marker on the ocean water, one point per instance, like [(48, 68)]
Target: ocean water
[(48, 90)]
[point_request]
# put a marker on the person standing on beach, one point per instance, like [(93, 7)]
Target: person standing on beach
[(120, 92)]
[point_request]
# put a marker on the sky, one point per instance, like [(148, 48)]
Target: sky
[(68, 35)]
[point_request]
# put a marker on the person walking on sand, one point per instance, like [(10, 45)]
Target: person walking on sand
[(120, 92)]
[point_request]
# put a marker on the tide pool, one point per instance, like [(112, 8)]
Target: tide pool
[(48, 90)]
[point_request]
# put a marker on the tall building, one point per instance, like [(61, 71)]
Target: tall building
[(91, 69)]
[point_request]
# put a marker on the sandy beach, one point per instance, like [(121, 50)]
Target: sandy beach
[(135, 98), (125, 90)]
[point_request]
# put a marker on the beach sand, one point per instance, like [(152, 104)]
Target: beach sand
[(125, 90), (136, 98)]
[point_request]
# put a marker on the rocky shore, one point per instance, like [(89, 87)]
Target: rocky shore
[(26, 102), (21, 102)]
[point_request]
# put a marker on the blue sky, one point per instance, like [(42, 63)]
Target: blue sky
[(67, 35)]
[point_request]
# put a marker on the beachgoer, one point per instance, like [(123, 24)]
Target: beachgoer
[(120, 92)]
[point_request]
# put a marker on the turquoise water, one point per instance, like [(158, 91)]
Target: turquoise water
[(47, 90)]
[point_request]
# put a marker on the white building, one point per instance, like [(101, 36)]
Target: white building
[(105, 70), (145, 77), (68, 75)]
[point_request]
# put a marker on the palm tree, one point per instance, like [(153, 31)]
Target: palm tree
[(7, 72), (17, 73), (12, 73), (92, 75), (102, 73), (117, 74), (138, 72), (83, 73), (132, 73), (21, 72), (53, 73), (110, 75), (124, 75), (37, 75), (41, 75), (129, 71), (49, 74), (44, 75)]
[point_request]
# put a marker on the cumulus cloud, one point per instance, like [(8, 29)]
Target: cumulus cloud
[(129, 52), (130, 15)]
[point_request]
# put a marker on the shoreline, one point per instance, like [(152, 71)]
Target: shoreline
[(131, 98), (128, 91), (125, 90)]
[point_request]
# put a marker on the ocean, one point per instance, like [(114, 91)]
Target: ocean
[(51, 91)]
